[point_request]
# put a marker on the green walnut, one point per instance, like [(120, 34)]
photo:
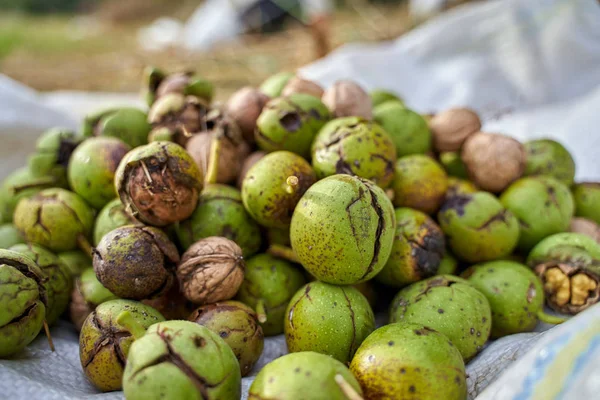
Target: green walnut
[(448, 265), (408, 129), (420, 183), (76, 261), (547, 157), (515, 295), (457, 186), (409, 361), (24, 302), (449, 305), (52, 154), (92, 169), (453, 164), (273, 86), (128, 124), (305, 375), (269, 284), (478, 227), (55, 218), (157, 83), (274, 185), (22, 184), (290, 123), (9, 236), (587, 200), (181, 360), (342, 230), (136, 262), (106, 338), (328, 319), (58, 282), (159, 183), (569, 266), (381, 96), (354, 146), (88, 294), (543, 205), (111, 217), (237, 324), (221, 212), (418, 248)]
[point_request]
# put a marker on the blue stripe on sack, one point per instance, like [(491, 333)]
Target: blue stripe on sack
[(581, 362), (543, 360)]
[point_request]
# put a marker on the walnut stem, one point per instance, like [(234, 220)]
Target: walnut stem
[(550, 319), (131, 324), (212, 170), (261, 312), (84, 245), (49, 336), (287, 253), (291, 184), (349, 392)]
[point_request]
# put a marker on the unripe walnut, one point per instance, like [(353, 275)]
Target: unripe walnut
[(493, 161), (452, 127), (211, 270), (299, 85), (245, 106), (348, 99)]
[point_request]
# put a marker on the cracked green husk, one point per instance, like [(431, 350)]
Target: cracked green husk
[(104, 342), (328, 319), (547, 157), (343, 230), (111, 217), (54, 218), (478, 228), (181, 360), (354, 146)]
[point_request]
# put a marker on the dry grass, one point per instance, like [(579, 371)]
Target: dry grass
[(107, 57)]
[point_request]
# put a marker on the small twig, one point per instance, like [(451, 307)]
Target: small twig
[(146, 172), (347, 389), (284, 252), (49, 336)]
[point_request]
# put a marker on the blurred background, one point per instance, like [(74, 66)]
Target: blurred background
[(103, 45)]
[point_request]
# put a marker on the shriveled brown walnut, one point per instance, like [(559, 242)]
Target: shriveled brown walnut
[(493, 161), (299, 85), (211, 270), (233, 146), (245, 107), (452, 127), (586, 227), (248, 163), (348, 99)]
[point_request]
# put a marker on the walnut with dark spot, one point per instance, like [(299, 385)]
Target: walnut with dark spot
[(238, 325), (136, 262), (104, 342), (211, 270)]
